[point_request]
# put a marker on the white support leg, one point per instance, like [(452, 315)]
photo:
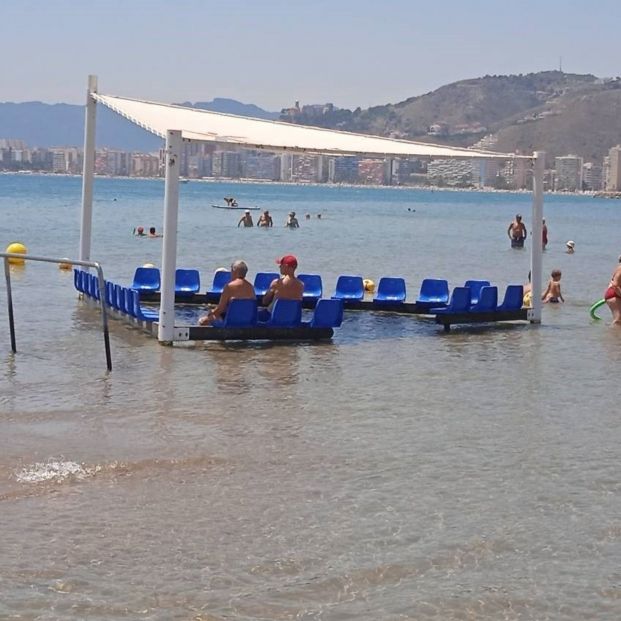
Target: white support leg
[(536, 252), (88, 171), (166, 327)]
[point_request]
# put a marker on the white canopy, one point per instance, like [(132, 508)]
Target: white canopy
[(229, 129)]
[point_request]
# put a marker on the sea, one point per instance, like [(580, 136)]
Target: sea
[(396, 472)]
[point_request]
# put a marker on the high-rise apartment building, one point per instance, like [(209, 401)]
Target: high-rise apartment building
[(614, 169), (568, 173)]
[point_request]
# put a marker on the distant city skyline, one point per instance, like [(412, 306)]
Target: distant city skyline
[(272, 53)]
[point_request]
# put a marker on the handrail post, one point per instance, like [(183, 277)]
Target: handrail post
[(101, 284), (9, 301)]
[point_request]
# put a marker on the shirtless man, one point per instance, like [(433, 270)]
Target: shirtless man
[(613, 295), (287, 287), (517, 232), (238, 288), (246, 219), (552, 294)]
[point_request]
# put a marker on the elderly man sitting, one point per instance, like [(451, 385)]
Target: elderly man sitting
[(237, 288)]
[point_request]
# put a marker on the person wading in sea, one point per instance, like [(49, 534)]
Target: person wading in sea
[(517, 232), (246, 219), (613, 295)]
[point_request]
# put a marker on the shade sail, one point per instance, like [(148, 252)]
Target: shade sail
[(228, 129)]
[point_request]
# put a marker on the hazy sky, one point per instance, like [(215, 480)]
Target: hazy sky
[(273, 52)]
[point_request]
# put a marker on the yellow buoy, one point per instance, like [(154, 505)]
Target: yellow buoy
[(16, 248), (65, 266), (369, 285)]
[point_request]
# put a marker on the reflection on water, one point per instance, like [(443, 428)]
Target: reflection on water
[(396, 472)]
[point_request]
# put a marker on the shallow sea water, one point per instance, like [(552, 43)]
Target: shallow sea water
[(394, 473)]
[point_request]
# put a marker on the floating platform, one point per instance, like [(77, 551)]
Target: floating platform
[(236, 208), (449, 319), (259, 333)]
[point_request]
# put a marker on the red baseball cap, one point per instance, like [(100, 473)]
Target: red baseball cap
[(289, 260)]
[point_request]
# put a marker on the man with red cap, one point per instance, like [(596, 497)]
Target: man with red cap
[(287, 287)]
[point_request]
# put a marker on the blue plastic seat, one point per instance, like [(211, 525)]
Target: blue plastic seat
[(121, 298), (94, 287), (130, 301), (285, 313), (109, 293), (77, 279), (514, 296), (313, 287), (390, 290), (475, 288), (146, 279), (433, 293), (460, 302), (140, 313), (327, 314), (187, 282), (239, 313), (488, 299), (262, 282), (220, 279), (349, 288)]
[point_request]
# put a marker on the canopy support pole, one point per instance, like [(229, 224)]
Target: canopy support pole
[(166, 327), (88, 171), (536, 242)]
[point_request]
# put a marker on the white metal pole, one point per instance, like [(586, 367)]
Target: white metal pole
[(536, 242), (88, 171), (166, 326)]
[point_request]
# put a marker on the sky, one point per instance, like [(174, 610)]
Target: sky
[(274, 52)]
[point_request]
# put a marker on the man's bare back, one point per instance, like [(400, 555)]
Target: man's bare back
[(238, 289)]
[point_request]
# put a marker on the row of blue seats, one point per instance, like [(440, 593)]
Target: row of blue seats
[(391, 290), (122, 299), (486, 301), (433, 292), (285, 313)]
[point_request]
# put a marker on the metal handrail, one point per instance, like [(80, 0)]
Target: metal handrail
[(100, 282)]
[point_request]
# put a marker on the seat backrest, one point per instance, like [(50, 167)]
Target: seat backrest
[(488, 299), (393, 288), (110, 293), (220, 279), (121, 302), (263, 280), (475, 288), (188, 281), (130, 302), (313, 287), (460, 299), (241, 312), (351, 287), (513, 297), (94, 292), (146, 279), (286, 313), (434, 289), (327, 314)]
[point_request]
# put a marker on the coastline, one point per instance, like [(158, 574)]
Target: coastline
[(261, 182)]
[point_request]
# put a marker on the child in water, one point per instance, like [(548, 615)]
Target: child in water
[(553, 294)]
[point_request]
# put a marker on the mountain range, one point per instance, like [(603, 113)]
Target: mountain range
[(560, 113)]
